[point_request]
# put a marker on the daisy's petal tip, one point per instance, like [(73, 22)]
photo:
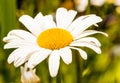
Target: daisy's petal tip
[(106, 35), (53, 75), (5, 47), (99, 51), (24, 17), (16, 65), (84, 57), (62, 8), (30, 65), (5, 39), (9, 61)]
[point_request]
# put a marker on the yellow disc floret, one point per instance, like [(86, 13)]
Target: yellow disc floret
[(54, 38)]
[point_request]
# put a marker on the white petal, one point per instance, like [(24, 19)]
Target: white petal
[(80, 19), (37, 24), (89, 39), (11, 38), (22, 34), (27, 21), (117, 2), (89, 32), (33, 25), (79, 25), (64, 17), (97, 2), (66, 55), (38, 57), (17, 44), (89, 45), (48, 22), (20, 55), (82, 4), (54, 62), (82, 52), (38, 17)]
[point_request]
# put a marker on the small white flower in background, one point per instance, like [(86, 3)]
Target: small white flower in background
[(115, 51), (97, 2), (28, 75), (53, 39), (82, 5), (117, 2)]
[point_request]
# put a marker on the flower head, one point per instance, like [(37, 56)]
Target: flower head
[(53, 39), (97, 2), (82, 5), (28, 75)]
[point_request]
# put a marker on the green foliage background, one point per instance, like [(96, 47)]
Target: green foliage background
[(104, 68)]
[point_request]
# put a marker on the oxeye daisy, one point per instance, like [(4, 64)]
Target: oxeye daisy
[(52, 39)]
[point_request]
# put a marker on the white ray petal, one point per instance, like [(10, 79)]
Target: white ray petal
[(48, 22), (17, 44), (66, 55), (22, 34), (89, 39), (64, 17), (37, 24), (97, 2), (54, 62), (31, 24), (82, 4), (79, 25), (27, 21), (89, 45), (38, 17), (11, 38), (89, 32), (38, 57), (80, 19), (20, 55), (82, 53)]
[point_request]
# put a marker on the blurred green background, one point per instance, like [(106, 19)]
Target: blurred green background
[(103, 68)]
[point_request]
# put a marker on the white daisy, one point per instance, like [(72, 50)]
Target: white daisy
[(97, 2), (28, 75), (82, 5), (53, 39)]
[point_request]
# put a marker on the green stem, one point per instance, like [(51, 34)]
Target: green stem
[(58, 78), (79, 64)]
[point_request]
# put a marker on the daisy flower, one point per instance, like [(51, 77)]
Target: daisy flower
[(52, 39), (28, 75), (82, 5), (97, 2)]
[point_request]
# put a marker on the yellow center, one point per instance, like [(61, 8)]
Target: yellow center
[(54, 38)]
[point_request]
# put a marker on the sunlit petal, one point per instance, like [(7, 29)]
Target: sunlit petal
[(82, 53), (64, 17), (89, 39), (21, 55), (79, 25), (66, 55), (17, 44), (38, 57), (89, 45), (22, 34), (54, 62), (89, 32)]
